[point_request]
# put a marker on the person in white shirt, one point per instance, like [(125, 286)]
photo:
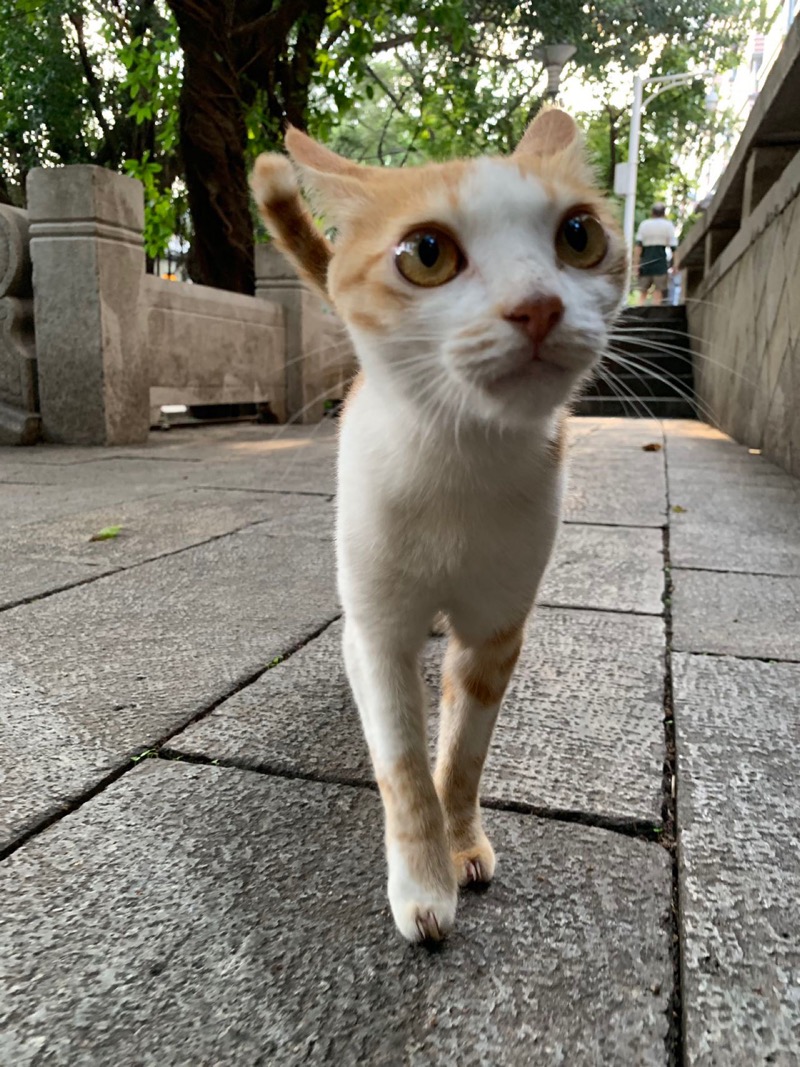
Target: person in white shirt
[(650, 263)]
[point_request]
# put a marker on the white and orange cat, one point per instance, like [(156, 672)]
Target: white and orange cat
[(478, 295)]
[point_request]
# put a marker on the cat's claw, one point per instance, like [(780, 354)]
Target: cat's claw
[(428, 927), (475, 866), (474, 872)]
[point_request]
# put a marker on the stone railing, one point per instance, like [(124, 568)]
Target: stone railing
[(112, 343), (742, 264), (19, 419)]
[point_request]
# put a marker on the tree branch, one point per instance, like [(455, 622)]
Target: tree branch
[(91, 78)]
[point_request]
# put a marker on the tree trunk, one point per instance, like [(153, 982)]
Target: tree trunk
[(213, 139)]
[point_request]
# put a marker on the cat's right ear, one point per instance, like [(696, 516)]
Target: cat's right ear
[(334, 184), (552, 131)]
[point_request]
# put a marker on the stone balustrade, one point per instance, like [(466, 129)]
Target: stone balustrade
[(742, 265), (112, 343), (19, 419)]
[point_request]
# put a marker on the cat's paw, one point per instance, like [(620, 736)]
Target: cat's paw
[(424, 917), (422, 912), (475, 864)]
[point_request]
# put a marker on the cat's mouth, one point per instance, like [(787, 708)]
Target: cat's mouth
[(535, 365)]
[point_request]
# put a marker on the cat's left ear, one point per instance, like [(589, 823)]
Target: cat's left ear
[(336, 185), (551, 132)]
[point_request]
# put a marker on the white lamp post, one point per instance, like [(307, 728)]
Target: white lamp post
[(663, 82), (554, 57)]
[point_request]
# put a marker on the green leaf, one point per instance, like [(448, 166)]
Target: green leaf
[(108, 533)]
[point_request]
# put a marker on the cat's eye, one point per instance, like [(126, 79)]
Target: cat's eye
[(581, 241), (428, 257)]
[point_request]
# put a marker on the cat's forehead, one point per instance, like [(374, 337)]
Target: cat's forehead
[(474, 198)]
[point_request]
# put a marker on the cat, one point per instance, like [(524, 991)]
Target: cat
[(478, 295)]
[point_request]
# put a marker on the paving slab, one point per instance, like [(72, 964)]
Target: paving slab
[(93, 675), (739, 513), (611, 568), (609, 434), (749, 615), (581, 728), (212, 916), (738, 753), (41, 557), (266, 459), (623, 486), (22, 503)]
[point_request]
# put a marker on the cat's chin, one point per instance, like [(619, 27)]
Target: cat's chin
[(530, 390), (532, 370)]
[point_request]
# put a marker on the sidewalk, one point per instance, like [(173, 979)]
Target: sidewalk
[(194, 869)]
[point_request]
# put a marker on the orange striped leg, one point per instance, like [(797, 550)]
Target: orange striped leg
[(391, 700), (474, 679)]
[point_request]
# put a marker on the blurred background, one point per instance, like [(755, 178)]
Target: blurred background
[(183, 94)]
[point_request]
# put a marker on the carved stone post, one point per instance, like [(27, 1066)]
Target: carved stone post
[(88, 268), (19, 420)]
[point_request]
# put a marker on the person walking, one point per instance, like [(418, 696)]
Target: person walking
[(650, 263)]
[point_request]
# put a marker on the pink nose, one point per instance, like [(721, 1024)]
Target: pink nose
[(537, 317)]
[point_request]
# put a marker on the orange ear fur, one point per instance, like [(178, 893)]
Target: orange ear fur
[(550, 132)]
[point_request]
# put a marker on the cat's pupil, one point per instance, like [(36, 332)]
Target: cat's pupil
[(428, 251), (576, 234)]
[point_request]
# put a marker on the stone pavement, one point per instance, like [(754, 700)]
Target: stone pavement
[(193, 868)]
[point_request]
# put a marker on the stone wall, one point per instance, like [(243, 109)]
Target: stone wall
[(91, 345), (742, 267), (746, 318)]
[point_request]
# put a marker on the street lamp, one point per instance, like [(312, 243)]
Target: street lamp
[(662, 82), (554, 57)]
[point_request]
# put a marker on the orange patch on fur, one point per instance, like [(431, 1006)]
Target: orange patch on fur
[(364, 321), (414, 819)]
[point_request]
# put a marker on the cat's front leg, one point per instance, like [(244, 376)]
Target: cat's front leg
[(389, 692), (474, 678)]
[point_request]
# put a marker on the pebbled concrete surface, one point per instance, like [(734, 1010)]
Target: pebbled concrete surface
[(736, 614), (205, 915), (606, 567), (581, 728), (39, 557), (738, 749), (173, 918), (95, 674)]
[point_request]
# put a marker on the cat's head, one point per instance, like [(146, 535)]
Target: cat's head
[(485, 286)]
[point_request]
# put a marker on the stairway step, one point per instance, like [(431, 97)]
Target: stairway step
[(645, 407)]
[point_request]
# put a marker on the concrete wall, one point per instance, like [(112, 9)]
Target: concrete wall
[(742, 265), (746, 317), (91, 346)]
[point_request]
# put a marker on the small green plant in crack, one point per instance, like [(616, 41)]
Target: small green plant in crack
[(148, 753), (275, 662)]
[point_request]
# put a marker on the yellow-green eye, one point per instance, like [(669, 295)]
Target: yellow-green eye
[(428, 257), (581, 241)]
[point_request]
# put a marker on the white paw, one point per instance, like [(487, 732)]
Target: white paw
[(422, 913)]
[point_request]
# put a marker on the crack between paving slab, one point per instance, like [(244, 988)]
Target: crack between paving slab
[(644, 829), (727, 570), (606, 611), (615, 525), (277, 492), (154, 749), (737, 656), (674, 1038), (36, 597)]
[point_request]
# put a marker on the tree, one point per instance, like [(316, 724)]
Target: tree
[(63, 97), (183, 93)]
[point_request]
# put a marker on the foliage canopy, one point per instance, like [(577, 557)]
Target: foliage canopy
[(183, 93)]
